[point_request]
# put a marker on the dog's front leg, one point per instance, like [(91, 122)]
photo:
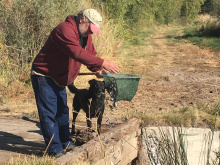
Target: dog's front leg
[(99, 123), (74, 121), (88, 119)]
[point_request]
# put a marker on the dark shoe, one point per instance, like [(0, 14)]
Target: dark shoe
[(70, 148), (60, 154), (57, 155)]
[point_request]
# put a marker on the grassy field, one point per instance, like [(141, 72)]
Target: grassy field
[(180, 85), (143, 55)]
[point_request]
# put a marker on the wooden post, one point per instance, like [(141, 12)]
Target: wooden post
[(118, 145)]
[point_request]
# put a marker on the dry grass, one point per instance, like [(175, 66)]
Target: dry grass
[(202, 19), (35, 160), (32, 160)]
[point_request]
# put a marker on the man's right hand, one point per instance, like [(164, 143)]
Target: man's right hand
[(110, 66)]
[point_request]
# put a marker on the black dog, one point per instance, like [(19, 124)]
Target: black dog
[(82, 98)]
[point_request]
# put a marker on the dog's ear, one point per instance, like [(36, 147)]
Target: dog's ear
[(91, 81)]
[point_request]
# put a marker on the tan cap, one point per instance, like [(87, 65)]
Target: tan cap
[(95, 18)]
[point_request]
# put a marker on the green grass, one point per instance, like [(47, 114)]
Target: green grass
[(173, 38), (192, 34), (141, 38), (172, 35), (189, 116)]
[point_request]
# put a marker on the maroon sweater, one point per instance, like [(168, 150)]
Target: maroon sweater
[(61, 56)]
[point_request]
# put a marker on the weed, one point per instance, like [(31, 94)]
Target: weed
[(135, 41), (169, 147)]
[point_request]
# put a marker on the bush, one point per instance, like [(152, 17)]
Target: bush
[(26, 25), (211, 7), (133, 15), (216, 8), (24, 28), (190, 9), (211, 28)]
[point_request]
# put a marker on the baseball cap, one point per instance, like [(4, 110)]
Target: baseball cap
[(95, 19)]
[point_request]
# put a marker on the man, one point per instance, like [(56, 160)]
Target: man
[(57, 65)]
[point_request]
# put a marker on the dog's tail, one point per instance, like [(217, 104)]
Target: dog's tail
[(72, 88)]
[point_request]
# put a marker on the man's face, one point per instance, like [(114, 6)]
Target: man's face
[(84, 28)]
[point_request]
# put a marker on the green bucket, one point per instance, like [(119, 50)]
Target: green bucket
[(122, 86)]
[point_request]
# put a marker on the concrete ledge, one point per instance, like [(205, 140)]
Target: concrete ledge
[(197, 142), (119, 145)]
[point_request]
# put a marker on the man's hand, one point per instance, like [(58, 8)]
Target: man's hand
[(110, 66)]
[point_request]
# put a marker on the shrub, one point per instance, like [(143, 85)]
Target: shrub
[(211, 28), (211, 7), (133, 15), (190, 9), (24, 27)]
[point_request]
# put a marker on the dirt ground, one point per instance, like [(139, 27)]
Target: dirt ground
[(182, 74), (176, 75)]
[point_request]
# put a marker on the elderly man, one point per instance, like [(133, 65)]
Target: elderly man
[(57, 65)]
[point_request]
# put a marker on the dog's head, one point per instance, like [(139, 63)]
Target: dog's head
[(97, 88)]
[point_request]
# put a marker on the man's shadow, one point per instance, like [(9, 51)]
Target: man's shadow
[(33, 121), (15, 143)]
